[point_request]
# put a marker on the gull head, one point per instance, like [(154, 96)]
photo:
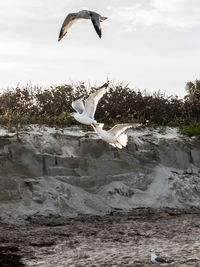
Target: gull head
[(74, 16), (152, 251)]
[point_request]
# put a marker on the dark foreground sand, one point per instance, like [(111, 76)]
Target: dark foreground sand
[(118, 239)]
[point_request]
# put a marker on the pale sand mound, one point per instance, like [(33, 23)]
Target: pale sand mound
[(62, 172)]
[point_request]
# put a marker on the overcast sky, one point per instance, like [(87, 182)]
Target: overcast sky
[(150, 44)]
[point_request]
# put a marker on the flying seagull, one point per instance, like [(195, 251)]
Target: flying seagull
[(156, 259), (83, 14), (85, 113), (115, 136)]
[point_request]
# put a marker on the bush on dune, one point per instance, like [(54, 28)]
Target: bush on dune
[(193, 129), (120, 104)]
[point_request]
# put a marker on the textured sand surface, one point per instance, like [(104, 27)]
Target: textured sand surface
[(50, 178), (118, 239)]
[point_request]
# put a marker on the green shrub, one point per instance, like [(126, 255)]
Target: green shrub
[(193, 129), (120, 104)]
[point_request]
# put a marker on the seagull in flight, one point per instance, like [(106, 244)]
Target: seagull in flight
[(115, 136), (83, 14), (85, 113), (156, 259)]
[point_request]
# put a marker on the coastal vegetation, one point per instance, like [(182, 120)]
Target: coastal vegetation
[(52, 106)]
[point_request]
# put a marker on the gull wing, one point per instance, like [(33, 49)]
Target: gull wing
[(159, 259), (93, 99), (95, 18), (120, 128), (78, 105), (69, 20)]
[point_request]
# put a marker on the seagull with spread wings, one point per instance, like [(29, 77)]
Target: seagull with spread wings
[(83, 14), (85, 113), (115, 136)]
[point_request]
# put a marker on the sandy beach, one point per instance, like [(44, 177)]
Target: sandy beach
[(117, 239)]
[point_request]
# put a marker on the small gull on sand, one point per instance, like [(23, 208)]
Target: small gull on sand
[(156, 259), (85, 114), (83, 14), (115, 136)]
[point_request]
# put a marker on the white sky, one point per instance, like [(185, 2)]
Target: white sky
[(150, 44)]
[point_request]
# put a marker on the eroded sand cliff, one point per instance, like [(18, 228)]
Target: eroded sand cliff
[(63, 172)]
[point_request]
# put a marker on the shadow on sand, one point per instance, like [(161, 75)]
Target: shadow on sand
[(9, 257)]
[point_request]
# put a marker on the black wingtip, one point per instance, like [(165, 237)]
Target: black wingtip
[(105, 85), (99, 33), (60, 37), (97, 27)]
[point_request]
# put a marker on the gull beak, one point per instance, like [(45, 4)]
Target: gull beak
[(70, 114)]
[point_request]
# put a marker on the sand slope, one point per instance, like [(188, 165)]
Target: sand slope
[(48, 171)]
